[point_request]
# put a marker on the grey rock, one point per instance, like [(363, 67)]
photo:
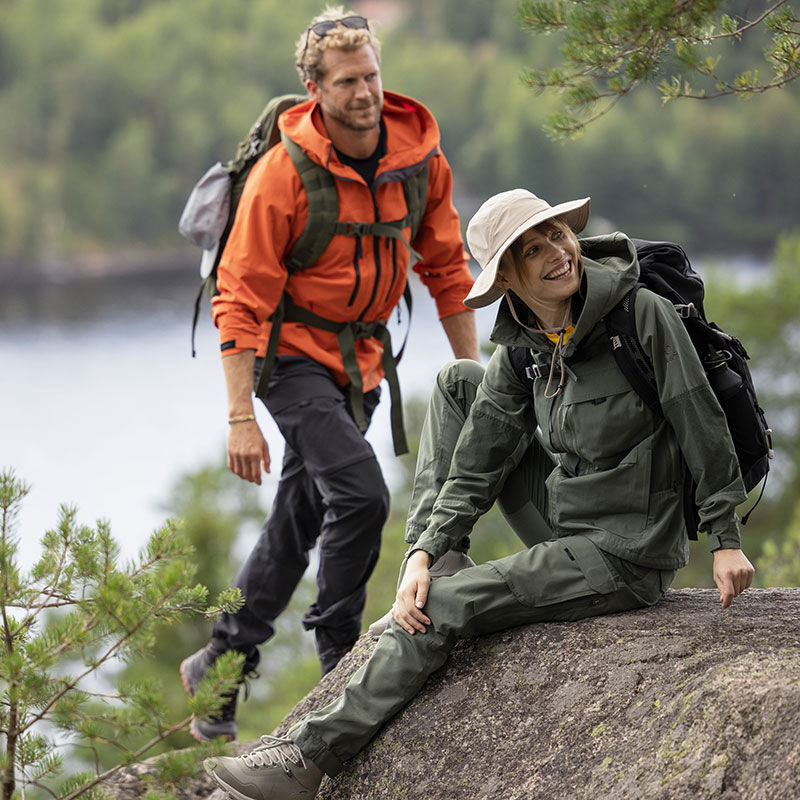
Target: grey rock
[(681, 700)]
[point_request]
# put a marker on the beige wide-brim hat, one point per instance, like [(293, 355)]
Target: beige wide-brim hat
[(499, 221)]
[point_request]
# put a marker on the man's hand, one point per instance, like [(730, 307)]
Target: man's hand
[(247, 451), (413, 594), (247, 448), (733, 573)]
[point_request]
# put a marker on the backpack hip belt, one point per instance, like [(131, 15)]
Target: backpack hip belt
[(346, 335)]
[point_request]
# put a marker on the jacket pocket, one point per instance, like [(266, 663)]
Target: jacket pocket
[(615, 499)]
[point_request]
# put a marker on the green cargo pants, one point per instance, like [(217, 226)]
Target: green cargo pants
[(554, 579)]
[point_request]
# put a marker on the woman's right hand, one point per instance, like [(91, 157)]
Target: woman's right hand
[(413, 594)]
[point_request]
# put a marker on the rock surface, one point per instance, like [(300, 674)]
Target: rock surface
[(677, 701)]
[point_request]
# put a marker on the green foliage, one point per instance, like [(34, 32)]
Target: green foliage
[(109, 118), (65, 624), (610, 47), (779, 564)]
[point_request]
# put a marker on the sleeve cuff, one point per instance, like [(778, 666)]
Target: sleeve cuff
[(724, 541), (429, 545)]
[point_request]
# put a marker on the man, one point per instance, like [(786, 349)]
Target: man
[(331, 488)]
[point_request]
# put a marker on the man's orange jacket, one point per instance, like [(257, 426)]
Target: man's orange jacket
[(340, 287)]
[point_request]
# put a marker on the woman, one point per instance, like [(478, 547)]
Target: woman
[(586, 474)]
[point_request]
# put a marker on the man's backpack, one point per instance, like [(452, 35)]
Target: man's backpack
[(208, 217), (665, 270)]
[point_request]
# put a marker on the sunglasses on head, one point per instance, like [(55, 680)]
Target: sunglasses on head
[(326, 26)]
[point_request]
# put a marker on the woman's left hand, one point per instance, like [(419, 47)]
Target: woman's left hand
[(413, 594), (733, 573)]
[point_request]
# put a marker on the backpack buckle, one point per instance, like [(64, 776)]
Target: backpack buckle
[(533, 372), (364, 330), (357, 228), (686, 310)]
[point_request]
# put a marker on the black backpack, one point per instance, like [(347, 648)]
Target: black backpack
[(665, 270)]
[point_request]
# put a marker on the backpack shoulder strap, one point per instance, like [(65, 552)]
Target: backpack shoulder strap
[(522, 360), (638, 370), (415, 189), (323, 209), (627, 350)]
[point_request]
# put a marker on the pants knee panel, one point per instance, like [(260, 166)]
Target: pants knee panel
[(462, 369)]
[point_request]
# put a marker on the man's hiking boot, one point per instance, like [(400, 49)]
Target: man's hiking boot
[(275, 770), (450, 563), (193, 670)]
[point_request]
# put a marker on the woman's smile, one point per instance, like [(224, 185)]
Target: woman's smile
[(560, 272)]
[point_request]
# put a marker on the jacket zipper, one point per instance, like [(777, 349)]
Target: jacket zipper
[(376, 254)]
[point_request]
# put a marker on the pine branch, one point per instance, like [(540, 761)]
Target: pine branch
[(110, 653), (135, 756)]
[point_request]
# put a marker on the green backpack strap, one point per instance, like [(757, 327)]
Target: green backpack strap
[(323, 209), (322, 225), (323, 212), (346, 335), (416, 192)]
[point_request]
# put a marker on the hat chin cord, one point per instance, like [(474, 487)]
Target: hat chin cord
[(558, 354)]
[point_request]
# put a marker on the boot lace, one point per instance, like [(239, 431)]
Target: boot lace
[(274, 752)]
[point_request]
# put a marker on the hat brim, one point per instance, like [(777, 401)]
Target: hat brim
[(485, 290)]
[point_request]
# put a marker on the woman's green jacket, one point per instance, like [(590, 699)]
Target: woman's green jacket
[(619, 467)]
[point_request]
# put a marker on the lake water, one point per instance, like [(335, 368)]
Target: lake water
[(103, 407)]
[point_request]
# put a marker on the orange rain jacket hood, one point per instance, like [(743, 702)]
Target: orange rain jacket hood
[(355, 278)]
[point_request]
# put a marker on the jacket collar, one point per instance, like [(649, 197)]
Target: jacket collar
[(412, 134)]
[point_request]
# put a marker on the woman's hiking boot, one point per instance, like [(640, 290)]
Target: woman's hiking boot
[(193, 670), (275, 770), (450, 563)]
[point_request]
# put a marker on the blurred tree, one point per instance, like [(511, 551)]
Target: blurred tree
[(779, 564), (109, 112), (610, 47)]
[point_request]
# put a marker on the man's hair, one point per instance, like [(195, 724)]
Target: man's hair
[(310, 48)]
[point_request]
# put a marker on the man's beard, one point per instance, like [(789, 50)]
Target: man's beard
[(351, 118)]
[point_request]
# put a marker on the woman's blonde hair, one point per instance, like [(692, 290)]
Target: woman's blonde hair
[(310, 47)]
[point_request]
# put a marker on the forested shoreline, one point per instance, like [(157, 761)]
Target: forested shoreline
[(112, 110)]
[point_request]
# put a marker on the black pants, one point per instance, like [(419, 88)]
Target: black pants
[(331, 490)]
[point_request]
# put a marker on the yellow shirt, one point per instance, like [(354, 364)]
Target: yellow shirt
[(553, 337)]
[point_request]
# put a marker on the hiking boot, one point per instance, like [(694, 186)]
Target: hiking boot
[(193, 670), (450, 563), (275, 770)]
